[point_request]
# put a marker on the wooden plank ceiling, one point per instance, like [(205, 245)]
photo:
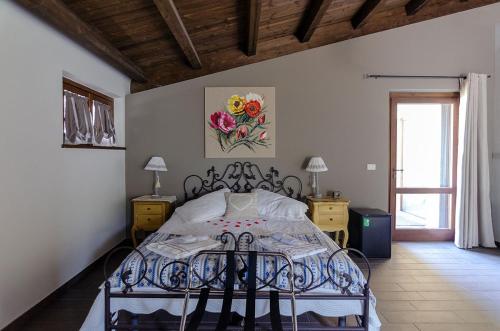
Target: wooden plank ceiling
[(160, 42)]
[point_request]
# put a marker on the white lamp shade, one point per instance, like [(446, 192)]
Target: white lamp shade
[(156, 164), (316, 164)]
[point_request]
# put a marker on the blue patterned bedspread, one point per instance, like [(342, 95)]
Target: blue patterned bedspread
[(312, 269)]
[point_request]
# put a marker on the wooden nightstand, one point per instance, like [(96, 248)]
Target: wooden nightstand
[(150, 213), (330, 215)]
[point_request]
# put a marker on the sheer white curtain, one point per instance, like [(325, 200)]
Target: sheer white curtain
[(473, 222), (104, 127), (77, 119)]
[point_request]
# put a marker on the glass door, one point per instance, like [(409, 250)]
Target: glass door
[(423, 165)]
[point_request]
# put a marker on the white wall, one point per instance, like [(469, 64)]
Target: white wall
[(60, 209), (323, 105)]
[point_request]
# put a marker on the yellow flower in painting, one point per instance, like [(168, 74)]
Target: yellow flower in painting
[(236, 105)]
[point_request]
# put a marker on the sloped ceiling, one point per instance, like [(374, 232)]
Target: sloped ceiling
[(160, 42)]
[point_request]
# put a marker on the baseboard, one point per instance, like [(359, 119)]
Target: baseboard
[(18, 323)]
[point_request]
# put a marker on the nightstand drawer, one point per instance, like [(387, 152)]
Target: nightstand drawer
[(332, 209), (147, 222), (332, 220), (149, 209)]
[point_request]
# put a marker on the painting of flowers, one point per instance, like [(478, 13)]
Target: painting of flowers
[(239, 122), (243, 124)]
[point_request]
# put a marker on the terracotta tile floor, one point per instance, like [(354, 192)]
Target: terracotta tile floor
[(436, 286)]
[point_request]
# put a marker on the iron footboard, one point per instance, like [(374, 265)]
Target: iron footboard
[(237, 279)]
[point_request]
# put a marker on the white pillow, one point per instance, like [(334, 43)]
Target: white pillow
[(206, 207), (275, 205), (241, 206)]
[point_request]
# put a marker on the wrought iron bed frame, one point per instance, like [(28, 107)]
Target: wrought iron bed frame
[(242, 177), (239, 177)]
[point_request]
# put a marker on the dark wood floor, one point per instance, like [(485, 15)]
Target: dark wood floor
[(68, 310), (424, 287)]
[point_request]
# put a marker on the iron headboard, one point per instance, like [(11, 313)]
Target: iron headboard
[(242, 177)]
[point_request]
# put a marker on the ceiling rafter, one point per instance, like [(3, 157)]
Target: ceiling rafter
[(171, 16), (413, 6), (311, 19), (363, 12), (254, 10), (56, 13)]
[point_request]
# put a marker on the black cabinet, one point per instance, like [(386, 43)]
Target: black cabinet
[(370, 232)]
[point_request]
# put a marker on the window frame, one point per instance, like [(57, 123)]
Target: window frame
[(91, 95)]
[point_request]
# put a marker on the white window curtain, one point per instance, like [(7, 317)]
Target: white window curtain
[(77, 119), (104, 128), (473, 209)]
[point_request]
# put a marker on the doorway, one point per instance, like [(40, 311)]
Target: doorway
[(423, 164)]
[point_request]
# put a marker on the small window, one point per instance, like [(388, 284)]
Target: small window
[(88, 117)]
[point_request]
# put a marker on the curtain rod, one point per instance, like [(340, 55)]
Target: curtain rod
[(415, 76)]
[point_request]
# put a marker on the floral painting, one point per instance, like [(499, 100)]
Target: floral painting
[(239, 122)]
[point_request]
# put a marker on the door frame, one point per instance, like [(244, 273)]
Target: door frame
[(422, 97)]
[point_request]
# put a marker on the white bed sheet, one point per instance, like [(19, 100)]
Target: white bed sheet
[(215, 226), (175, 225)]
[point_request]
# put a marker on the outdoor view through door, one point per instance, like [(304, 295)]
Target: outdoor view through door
[(423, 165)]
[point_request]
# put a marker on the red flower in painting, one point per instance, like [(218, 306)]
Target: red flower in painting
[(261, 119), (263, 135), (214, 119), (242, 132), (252, 108), (222, 121)]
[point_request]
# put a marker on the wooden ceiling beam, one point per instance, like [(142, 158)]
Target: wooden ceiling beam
[(56, 13), (311, 19), (254, 9), (171, 16), (413, 6), (363, 12)]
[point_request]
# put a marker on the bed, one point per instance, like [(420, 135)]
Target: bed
[(329, 283)]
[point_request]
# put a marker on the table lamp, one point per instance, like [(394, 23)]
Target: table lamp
[(156, 164), (316, 165)]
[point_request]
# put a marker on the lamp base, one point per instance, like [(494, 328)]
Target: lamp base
[(155, 196), (157, 186), (315, 185)]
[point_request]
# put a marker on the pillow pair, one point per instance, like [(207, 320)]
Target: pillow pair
[(260, 203)]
